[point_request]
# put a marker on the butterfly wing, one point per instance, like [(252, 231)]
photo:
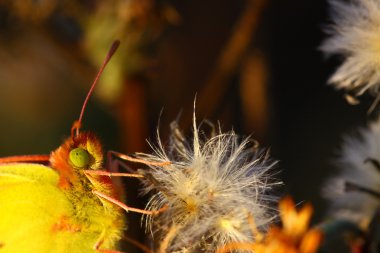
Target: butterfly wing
[(31, 206), (37, 216)]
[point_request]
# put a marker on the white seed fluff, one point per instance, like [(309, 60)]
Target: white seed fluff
[(354, 168), (355, 34), (210, 188)]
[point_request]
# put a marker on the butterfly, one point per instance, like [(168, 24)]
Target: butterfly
[(65, 201)]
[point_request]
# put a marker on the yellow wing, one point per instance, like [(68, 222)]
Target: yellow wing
[(37, 216), (30, 205)]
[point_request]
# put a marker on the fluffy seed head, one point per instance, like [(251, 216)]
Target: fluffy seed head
[(355, 191), (354, 34), (210, 188)]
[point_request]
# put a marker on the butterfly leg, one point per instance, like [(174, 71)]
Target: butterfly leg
[(133, 242), (99, 243), (116, 160), (125, 207), (128, 158), (111, 174), (108, 251)]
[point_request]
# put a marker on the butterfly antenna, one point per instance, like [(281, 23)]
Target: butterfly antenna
[(112, 50)]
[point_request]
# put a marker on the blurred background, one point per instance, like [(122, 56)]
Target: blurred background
[(253, 65)]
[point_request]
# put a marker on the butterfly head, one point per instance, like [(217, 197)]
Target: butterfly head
[(81, 151), (85, 151)]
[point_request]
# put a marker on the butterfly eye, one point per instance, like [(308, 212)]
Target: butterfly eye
[(79, 157)]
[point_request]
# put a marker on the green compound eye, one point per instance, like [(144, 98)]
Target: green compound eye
[(79, 157)]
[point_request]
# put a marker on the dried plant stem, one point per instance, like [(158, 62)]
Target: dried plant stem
[(168, 238), (212, 92), (132, 115), (254, 94)]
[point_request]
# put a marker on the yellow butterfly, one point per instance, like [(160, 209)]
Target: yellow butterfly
[(62, 202)]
